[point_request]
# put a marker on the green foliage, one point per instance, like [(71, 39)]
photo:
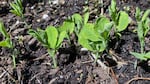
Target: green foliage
[(120, 19), (54, 38), (123, 21), (17, 8), (51, 38), (143, 26), (113, 10), (7, 42), (142, 30), (67, 26), (141, 56), (95, 37), (79, 21)]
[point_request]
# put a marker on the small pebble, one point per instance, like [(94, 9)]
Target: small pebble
[(38, 20), (61, 76), (45, 17)]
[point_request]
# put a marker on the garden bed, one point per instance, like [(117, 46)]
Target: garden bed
[(75, 66)]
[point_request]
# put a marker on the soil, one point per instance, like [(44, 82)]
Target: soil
[(34, 65)]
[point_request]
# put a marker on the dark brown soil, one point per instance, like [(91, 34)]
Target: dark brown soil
[(34, 66)]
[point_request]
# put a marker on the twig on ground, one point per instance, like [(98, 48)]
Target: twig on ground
[(33, 77), (87, 61), (137, 78), (99, 62), (2, 74), (8, 73), (41, 57), (113, 75), (53, 80)]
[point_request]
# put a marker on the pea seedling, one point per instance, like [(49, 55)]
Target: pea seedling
[(51, 38), (7, 42), (17, 8), (79, 21), (74, 24), (120, 19), (94, 37), (142, 30)]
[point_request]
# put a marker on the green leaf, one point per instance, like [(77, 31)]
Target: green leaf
[(52, 35), (19, 3), (86, 17), (113, 5), (146, 26), (123, 21), (67, 26), (85, 43), (61, 38), (146, 14), (108, 26), (137, 14), (138, 55), (140, 31), (39, 35), (113, 11), (17, 8), (89, 33), (100, 23), (14, 12), (107, 31), (147, 55), (77, 18), (3, 30), (42, 35), (6, 43), (103, 46)]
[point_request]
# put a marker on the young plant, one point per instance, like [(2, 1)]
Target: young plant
[(7, 42), (79, 21), (141, 56), (67, 26), (17, 8), (95, 37), (120, 19), (143, 26), (51, 38), (73, 25), (143, 23)]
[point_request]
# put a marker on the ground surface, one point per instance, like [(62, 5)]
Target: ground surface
[(75, 67)]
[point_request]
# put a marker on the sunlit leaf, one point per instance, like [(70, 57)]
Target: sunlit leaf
[(100, 23), (61, 37), (123, 21), (52, 35), (3, 30), (138, 55), (85, 43), (67, 26), (38, 35), (137, 14), (147, 55), (146, 14), (86, 17), (89, 33), (6, 43)]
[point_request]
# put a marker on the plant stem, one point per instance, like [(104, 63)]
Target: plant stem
[(14, 54), (14, 60), (54, 62), (142, 46), (52, 55), (97, 55)]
